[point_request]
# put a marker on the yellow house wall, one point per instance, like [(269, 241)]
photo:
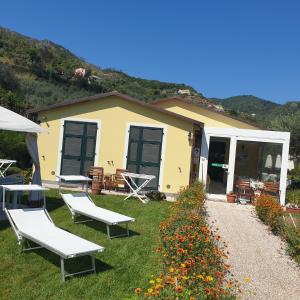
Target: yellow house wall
[(209, 118), (115, 114)]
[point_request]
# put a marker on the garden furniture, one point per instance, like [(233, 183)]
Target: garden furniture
[(82, 204), (135, 186), (245, 193), (35, 225), (4, 166), (74, 179), (117, 181)]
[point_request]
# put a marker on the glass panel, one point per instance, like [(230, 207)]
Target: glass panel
[(74, 128), (132, 168), (91, 130), (70, 167), (133, 151), (134, 133), (258, 161), (87, 165), (72, 146), (152, 135), (90, 147), (150, 153), (217, 165)]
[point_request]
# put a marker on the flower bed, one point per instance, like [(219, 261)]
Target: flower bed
[(270, 212), (191, 254)]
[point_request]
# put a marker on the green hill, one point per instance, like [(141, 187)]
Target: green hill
[(42, 72), (248, 104), (35, 73)]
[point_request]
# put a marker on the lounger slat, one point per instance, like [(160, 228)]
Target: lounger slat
[(81, 204), (33, 224)]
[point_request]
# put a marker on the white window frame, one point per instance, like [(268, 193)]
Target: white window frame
[(61, 136), (163, 147), (235, 134)]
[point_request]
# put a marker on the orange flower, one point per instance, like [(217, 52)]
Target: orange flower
[(179, 289), (138, 291)]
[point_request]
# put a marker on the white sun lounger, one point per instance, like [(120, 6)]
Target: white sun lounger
[(36, 225), (82, 204)]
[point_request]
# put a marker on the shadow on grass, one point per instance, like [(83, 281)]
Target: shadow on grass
[(73, 265), (114, 229), (4, 225), (53, 203)]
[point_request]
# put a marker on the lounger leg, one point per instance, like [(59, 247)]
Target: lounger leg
[(62, 268), (108, 231), (93, 263)]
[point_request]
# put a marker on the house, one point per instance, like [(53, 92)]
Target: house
[(184, 92), (79, 72), (116, 131), (175, 139)]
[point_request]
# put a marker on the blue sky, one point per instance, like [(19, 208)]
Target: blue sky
[(221, 48)]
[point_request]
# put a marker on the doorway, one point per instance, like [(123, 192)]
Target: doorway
[(78, 147), (217, 171)]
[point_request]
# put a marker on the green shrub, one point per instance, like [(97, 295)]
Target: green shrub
[(270, 212), (293, 196), (292, 237)]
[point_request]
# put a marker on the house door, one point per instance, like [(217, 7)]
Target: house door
[(144, 152), (217, 170), (78, 147)]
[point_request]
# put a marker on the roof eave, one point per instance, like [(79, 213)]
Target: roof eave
[(116, 94)]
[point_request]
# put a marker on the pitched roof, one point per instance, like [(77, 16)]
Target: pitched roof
[(115, 94), (204, 106)]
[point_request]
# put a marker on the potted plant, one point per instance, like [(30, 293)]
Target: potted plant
[(231, 197)]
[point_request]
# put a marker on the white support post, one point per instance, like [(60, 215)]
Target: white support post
[(283, 171), (204, 157), (231, 164)]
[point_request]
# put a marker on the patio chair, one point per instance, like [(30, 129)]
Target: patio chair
[(82, 204), (35, 225), (272, 189), (97, 175), (117, 181), (245, 193)]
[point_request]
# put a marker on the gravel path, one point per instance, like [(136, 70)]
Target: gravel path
[(257, 257)]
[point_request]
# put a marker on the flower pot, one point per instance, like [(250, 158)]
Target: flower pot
[(292, 210), (231, 198), (96, 187)]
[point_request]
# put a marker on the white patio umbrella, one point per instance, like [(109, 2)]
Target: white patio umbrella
[(12, 121)]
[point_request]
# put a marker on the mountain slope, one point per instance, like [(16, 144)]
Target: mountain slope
[(248, 104), (35, 73), (45, 72)]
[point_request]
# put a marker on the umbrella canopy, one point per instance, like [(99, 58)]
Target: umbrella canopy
[(10, 120)]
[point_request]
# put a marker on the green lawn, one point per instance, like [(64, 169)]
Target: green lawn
[(125, 264), (296, 218), (293, 196)]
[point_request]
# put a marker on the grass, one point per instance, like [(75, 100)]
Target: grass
[(125, 264), (293, 196), (296, 218)]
